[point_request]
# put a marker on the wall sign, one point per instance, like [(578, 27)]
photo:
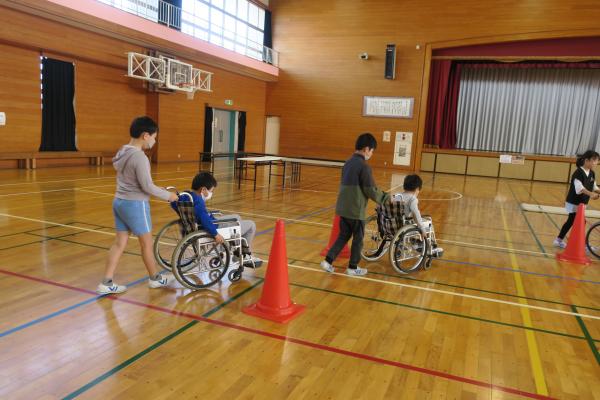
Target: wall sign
[(388, 107), (402, 148)]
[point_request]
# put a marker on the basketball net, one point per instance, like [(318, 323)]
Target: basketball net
[(189, 94)]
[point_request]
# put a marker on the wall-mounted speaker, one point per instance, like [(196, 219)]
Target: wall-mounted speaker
[(390, 61)]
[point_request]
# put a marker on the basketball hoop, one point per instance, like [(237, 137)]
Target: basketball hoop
[(188, 88)]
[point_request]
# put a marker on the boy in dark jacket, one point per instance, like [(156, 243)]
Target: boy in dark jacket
[(356, 188)]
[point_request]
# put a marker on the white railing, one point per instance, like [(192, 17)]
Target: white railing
[(167, 14)]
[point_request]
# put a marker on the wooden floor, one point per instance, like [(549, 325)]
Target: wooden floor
[(497, 318)]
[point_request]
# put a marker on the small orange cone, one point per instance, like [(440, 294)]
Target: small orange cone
[(335, 232), (275, 302), (575, 251)]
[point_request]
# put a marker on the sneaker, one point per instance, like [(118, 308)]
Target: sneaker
[(251, 261), (437, 252), (165, 279), (358, 271), (110, 289), (559, 243), (326, 266)]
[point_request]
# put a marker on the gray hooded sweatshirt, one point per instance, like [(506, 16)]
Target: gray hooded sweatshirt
[(133, 176)]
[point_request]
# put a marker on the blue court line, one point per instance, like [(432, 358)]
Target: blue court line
[(62, 311), (520, 271)]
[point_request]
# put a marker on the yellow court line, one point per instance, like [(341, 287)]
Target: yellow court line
[(534, 354)]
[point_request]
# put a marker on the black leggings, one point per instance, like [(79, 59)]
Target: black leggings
[(567, 226)]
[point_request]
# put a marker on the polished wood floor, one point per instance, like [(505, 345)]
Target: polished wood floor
[(496, 318)]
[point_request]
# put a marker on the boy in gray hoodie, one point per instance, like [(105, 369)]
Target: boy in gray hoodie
[(131, 207)]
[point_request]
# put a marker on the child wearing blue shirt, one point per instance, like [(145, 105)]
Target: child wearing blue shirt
[(203, 186)]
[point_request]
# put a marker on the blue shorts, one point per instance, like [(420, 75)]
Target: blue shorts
[(132, 216)]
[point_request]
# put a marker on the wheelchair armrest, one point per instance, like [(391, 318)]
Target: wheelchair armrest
[(225, 221)]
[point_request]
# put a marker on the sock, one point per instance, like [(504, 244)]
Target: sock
[(352, 266), (329, 260), (107, 281)]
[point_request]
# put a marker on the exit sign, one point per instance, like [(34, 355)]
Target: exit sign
[(229, 102)]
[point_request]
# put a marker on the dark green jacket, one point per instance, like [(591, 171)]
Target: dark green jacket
[(357, 187)]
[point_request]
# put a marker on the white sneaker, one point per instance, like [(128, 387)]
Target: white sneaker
[(358, 271), (165, 279), (437, 252), (326, 266), (252, 262), (110, 289), (559, 243)]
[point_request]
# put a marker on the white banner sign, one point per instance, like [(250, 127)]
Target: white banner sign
[(402, 148)]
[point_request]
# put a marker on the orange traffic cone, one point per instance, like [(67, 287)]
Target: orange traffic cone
[(335, 232), (275, 302), (575, 251)]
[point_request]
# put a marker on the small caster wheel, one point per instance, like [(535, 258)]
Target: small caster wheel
[(234, 275), (427, 264), (214, 275)]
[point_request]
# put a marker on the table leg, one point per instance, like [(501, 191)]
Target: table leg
[(255, 167)]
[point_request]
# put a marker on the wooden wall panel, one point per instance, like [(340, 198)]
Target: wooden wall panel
[(322, 82), (20, 99), (106, 101), (43, 34)]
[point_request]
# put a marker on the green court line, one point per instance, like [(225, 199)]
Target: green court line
[(25, 244), (156, 345), (545, 213), (443, 312), (527, 221), (456, 286), (587, 335), (83, 244)]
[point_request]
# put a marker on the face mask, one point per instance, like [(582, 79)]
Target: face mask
[(368, 156), (208, 196), (151, 142)]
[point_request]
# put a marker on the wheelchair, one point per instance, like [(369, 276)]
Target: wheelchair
[(390, 230), (193, 256)]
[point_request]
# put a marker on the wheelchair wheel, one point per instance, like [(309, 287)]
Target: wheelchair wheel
[(199, 262), (165, 243), (374, 246), (592, 239), (234, 275), (408, 250)]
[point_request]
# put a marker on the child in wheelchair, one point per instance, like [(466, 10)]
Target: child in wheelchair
[(203, 186), (409, 198), (399, 227)]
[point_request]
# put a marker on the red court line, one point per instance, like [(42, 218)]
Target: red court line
[(302, 342)]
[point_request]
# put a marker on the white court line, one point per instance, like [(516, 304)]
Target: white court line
[(83, 179), (305, 222), (95, 186), (469, 296), (42, 191), (426, 289)]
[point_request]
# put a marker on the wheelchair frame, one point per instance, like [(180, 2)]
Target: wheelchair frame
[(207, 257), (406, 244)]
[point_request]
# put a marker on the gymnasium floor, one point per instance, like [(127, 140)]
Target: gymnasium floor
[(496, 318)]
